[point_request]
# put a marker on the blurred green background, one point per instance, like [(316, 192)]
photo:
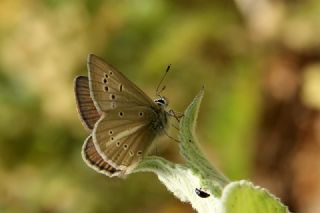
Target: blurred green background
[(258, 61)]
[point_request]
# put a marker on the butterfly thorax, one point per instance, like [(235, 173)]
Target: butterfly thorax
[(159, 123)]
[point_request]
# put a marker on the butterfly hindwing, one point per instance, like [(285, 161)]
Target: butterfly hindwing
[(95, 161), (86, 108), (126, 158), (123, 139)]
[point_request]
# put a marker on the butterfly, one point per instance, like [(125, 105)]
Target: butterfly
[(122, 119)]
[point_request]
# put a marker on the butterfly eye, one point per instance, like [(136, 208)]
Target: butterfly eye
[(110, 73), (112, 138), (105, 80), (107, 76), (140, 114), (125, 146), (110, 132), (106, 89), (118, 144), (120, 87), (161, 101), (139, 153)]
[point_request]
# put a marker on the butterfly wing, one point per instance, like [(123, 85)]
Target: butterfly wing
[(110, 89), (95, 161), (122, 137), (125, 130), (120, 115), (89, 114)]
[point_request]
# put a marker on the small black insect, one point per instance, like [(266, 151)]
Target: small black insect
[(201, 193)]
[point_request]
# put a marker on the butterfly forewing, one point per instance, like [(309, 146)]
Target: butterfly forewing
[(95, 161), (86, 108), (110, 89)]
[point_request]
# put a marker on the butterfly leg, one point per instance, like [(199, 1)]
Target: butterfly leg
[(176, 115), (176, 140), (174, 126)]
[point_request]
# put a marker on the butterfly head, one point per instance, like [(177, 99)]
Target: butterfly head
[(161, 101)]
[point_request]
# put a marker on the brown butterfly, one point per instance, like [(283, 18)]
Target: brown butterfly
[(122, 119)]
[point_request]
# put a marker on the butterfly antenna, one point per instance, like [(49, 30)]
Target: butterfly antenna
[(158, 90)]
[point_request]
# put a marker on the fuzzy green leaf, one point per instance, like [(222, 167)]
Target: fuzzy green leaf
[(182, 180), (243, 196)]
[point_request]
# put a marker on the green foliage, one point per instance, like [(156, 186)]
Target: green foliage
[(44, 45), (243, 196), (182, 180), (210, 178)]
